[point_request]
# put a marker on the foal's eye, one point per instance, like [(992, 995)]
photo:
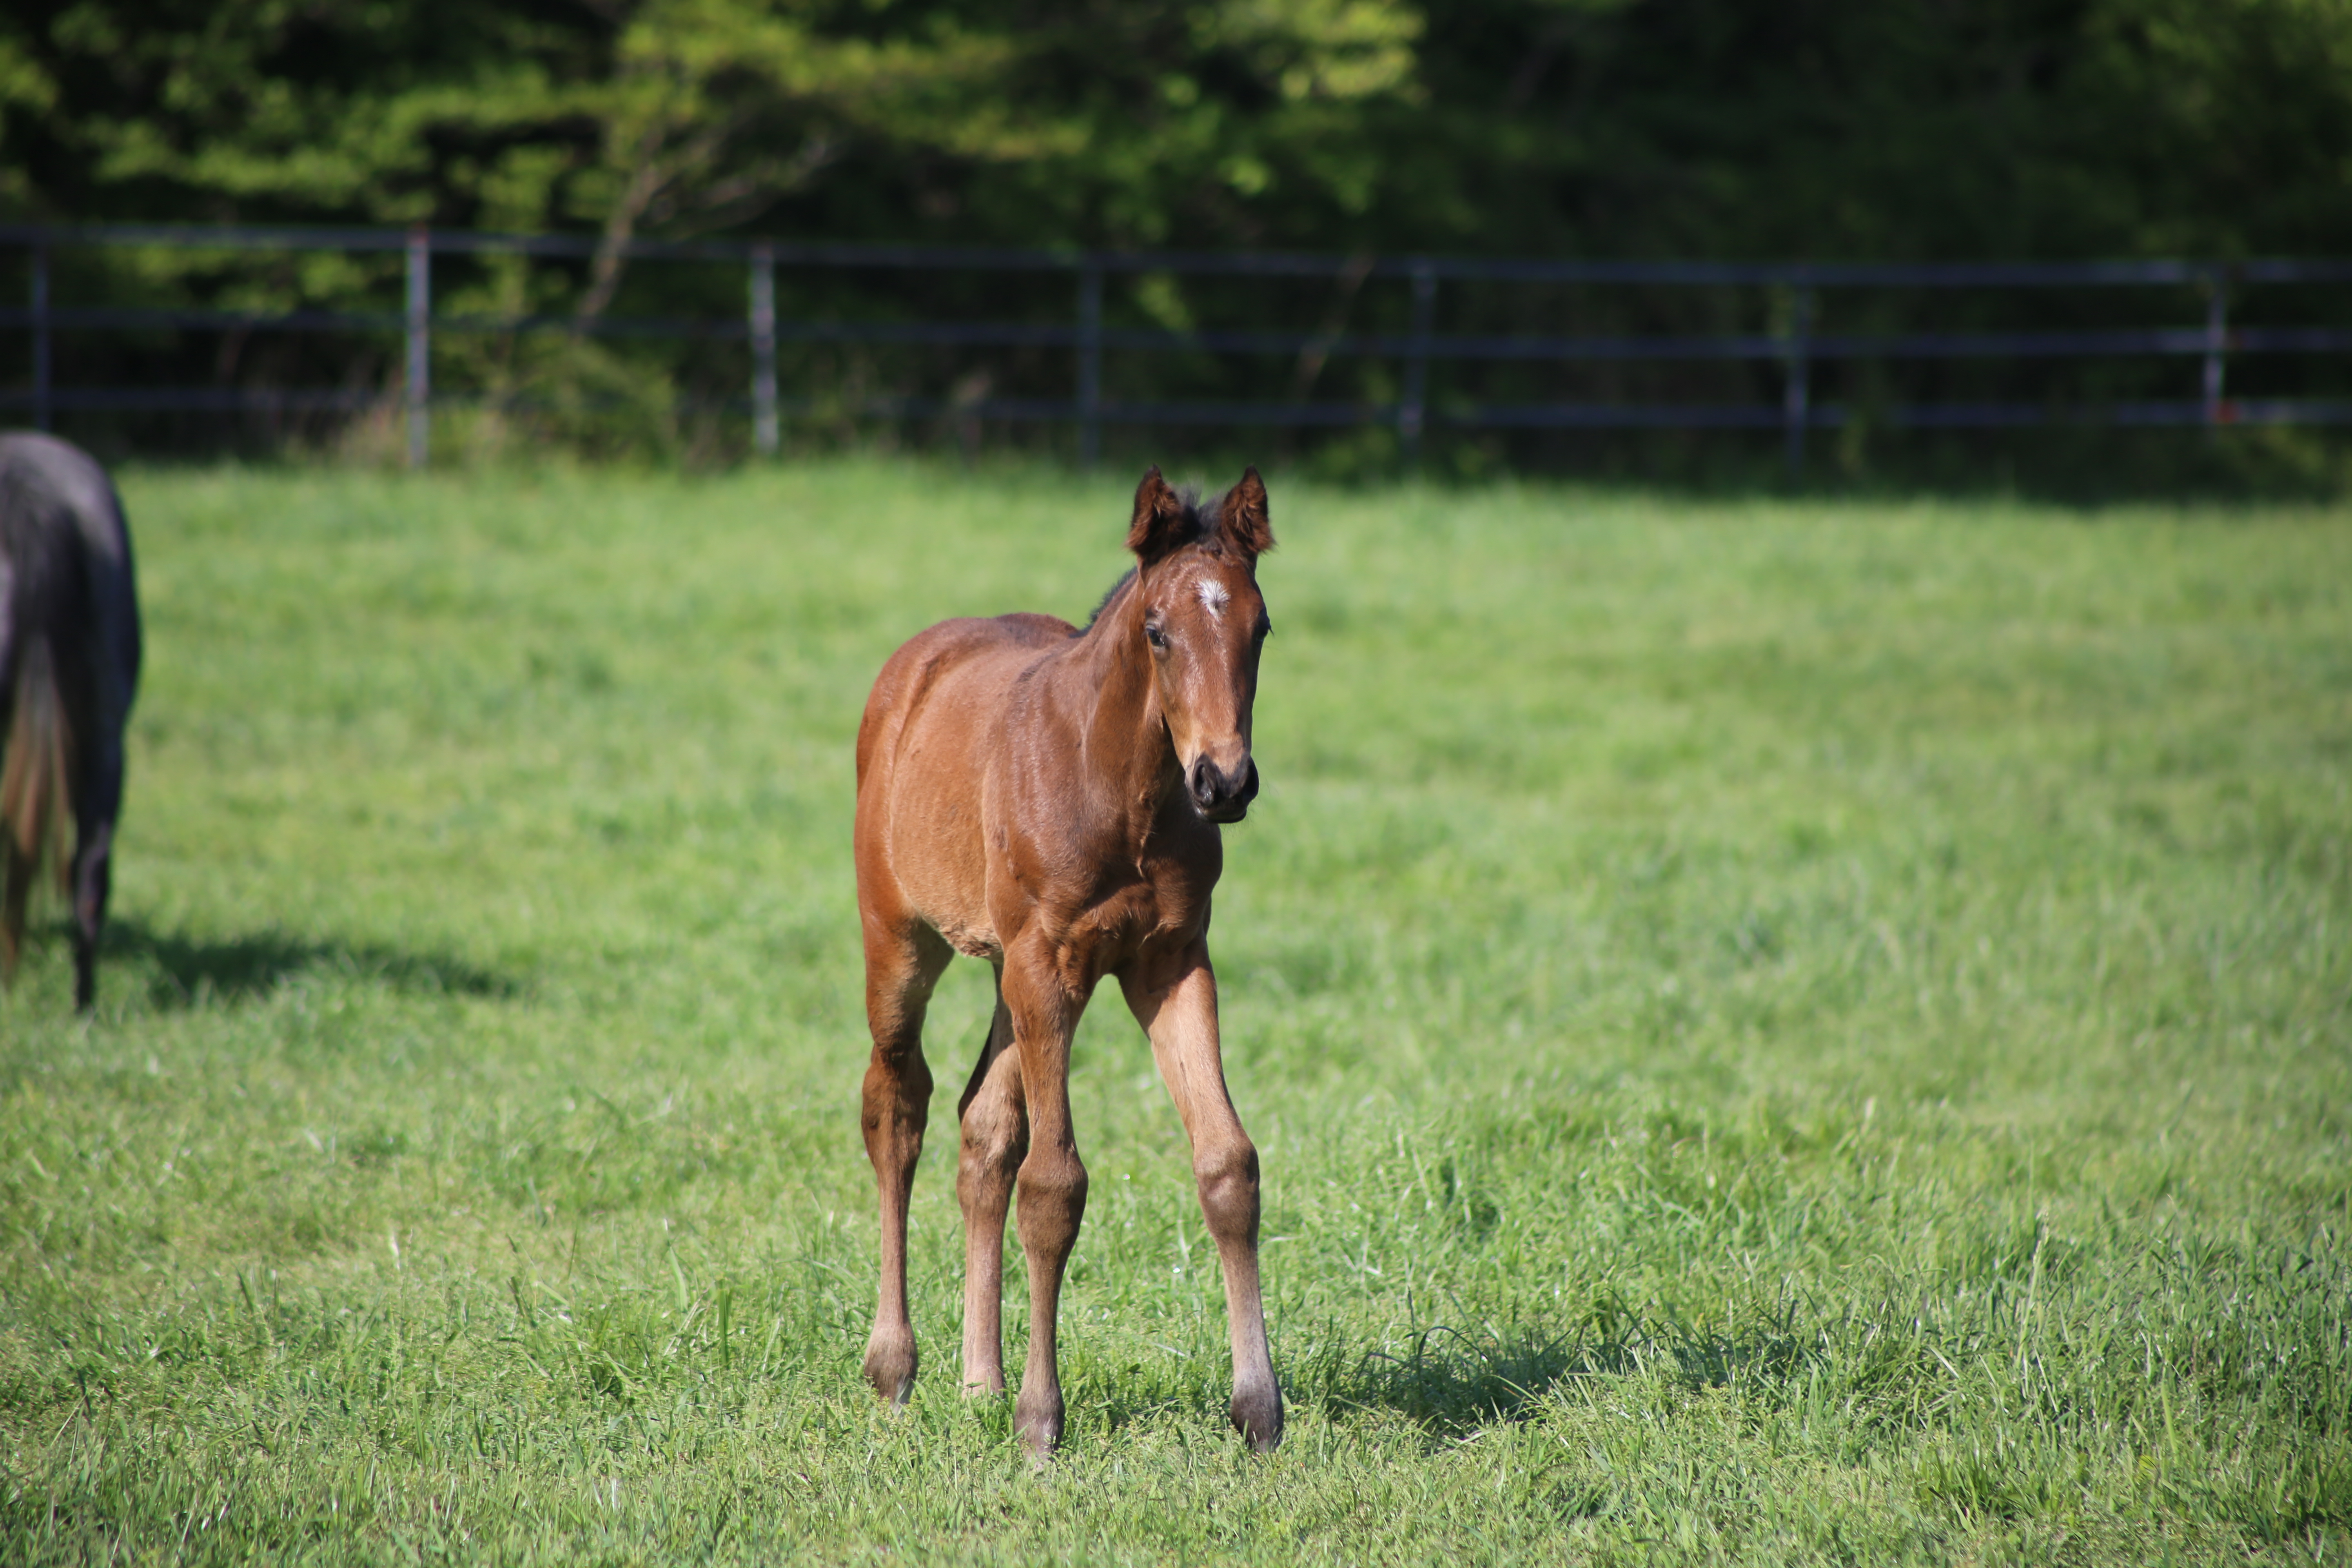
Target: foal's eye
[(1153, 635)]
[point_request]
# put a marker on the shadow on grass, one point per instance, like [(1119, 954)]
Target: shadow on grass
[(183, 972), (1452, 1382)]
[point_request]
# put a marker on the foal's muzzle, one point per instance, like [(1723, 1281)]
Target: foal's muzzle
[(1221, 796)]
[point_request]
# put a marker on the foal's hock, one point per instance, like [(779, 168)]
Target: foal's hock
[(1047, 798), (68, 666)]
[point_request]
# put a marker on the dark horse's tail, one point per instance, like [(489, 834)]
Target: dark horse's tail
[(36, 796)]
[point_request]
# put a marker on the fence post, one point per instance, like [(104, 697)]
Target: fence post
[(2217, 342), (1797, 392), (1411, 413), (420, 344), (1090, 287), (40, 334), (764, 349)]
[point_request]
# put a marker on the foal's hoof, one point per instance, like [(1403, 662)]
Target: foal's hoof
[(890, 1368), (1040, 1430), (1257, 1417)]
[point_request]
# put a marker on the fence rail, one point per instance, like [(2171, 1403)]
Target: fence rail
[(1795, 348)]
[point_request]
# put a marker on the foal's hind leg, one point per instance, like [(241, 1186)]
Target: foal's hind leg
[(901, 967), (1174, 997), (995, 1139)]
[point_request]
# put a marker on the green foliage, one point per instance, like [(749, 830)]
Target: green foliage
[(1776, 1032), (674, 114), (1626, 127)]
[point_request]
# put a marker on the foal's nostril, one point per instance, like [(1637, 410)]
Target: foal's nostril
[(1221, 795), (1212, 787)]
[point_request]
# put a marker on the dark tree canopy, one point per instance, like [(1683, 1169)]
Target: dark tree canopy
[(1823, 128)]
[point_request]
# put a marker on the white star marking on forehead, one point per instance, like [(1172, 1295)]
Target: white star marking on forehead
[(1212, 594)]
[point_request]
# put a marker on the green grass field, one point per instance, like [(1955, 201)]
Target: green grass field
[(1777, 1032)]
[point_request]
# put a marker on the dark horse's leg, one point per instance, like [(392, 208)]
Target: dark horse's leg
[(1175, 1000), (1052, 1180), (903, 962), (98, 797), (995, 1140)]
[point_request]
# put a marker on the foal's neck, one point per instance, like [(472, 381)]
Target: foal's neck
[(1129, 755)]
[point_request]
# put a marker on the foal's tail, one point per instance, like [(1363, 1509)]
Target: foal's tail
[(34, 802)]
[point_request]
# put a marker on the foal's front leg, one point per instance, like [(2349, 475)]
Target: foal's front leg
[(1174, 997), (901, 967), (1053, 1178)]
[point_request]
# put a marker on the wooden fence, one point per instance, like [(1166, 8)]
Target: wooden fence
[(1785, 358)]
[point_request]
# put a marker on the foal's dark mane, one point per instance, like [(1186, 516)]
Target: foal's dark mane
[(1199, 522), (1126, 581)]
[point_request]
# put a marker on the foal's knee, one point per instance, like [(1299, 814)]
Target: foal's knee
[(1052, 1198), (898, 1099), (1227, 1174)]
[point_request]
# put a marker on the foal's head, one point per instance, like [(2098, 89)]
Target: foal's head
[(1202, 624)]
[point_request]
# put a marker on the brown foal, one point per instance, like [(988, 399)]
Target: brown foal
[(1047, 799)]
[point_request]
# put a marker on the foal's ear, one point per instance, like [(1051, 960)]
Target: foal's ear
[(1164, 523), (1242, 519)]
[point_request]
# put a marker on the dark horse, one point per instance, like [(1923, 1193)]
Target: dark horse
[(68, 665), (1047, 799)]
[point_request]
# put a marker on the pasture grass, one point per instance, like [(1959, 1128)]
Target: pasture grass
[(1778, 1031)]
